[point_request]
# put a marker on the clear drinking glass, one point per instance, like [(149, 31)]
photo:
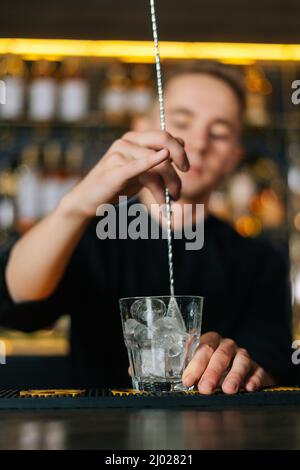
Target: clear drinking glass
[(161, 335)]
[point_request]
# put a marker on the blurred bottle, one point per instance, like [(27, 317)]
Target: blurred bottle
[(294, 177), (258, 88), (7, 203), (43, 91), (52, 177), (73, 166), (28, 188), (219, 205), (114, 95), (13, 72), (74, 91), (140, 96), (241, 191)]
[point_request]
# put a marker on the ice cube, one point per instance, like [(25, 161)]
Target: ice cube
[(130, 326), (163, 328), (153, 362), (147, 310), (167, 324), (166, 334), (178, 344), (174, 365), (174, 312), (142, 335), (162, 340)]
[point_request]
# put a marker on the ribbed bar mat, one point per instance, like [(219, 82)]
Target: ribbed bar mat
[(105, 398)]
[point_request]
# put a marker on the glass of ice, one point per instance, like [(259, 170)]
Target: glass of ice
[(161, 335)]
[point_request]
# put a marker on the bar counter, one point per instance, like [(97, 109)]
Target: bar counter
[(214, 423), (112, 429)]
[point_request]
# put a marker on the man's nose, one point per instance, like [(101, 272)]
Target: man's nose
[(198, 142)]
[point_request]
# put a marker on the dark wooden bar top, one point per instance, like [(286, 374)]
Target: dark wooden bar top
[(173, 429)]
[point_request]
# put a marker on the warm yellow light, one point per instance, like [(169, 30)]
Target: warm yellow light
[(8, 346), (142, 51), (140, 60), (238, 61), (50, 58)]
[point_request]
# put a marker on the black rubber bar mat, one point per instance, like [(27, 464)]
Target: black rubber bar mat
[(104, 398)]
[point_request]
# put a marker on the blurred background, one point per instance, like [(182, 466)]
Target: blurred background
[(77, 73)]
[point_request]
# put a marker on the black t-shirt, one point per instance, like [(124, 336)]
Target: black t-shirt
[(244, 283)]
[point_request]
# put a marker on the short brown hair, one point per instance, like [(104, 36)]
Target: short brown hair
[(228, 74)]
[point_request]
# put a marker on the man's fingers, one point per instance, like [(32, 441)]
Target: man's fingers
[(212, 338), (160, 139), (256, 379), (170, 177), (208, 344), (197, 365), (240, 368), (180, 140), (137, 167), (155, 184), (218, 363), (133, 151)]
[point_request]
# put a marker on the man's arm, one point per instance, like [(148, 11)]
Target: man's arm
[(39, 259)]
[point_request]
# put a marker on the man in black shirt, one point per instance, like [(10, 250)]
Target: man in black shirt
[(61, 266)]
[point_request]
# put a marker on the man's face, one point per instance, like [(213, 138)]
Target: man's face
[(205, 113)]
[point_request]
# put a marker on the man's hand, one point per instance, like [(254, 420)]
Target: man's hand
[(220, 362), (137, 160)]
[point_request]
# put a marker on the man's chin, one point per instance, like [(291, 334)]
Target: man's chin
[(196, 192), (196, 195), (197, 189)]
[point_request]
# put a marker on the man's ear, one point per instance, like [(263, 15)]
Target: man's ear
[(234, 160)]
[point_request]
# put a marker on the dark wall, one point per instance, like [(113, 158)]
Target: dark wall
[(194, 20)]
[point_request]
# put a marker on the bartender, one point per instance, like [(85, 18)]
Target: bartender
[(61, 267)]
